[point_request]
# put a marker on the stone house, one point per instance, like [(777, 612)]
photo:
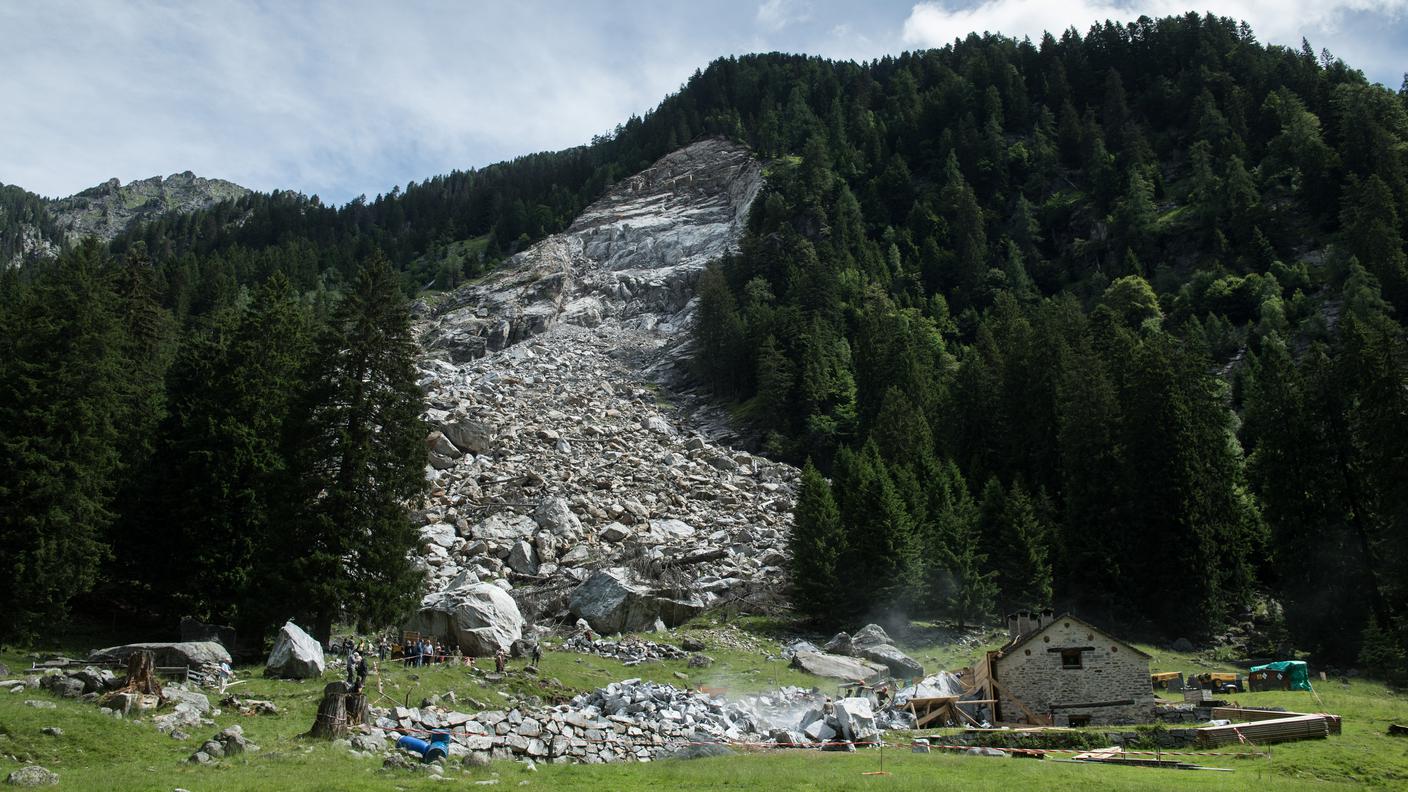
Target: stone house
[(1063, 671)]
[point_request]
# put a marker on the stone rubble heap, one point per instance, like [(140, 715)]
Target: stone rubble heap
[(635, 720), (628, 650)]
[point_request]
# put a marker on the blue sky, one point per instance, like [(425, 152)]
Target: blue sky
[(344, 98)]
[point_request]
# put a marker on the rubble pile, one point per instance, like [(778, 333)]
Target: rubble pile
[(637, 720), (628, 650), (558, 473)]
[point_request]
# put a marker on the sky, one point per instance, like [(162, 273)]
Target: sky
[(339, 99)]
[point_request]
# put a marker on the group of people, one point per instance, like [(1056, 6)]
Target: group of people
[(348, 646), (426, 651), (423, 651)]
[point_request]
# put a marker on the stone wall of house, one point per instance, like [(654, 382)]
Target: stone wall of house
[(1110, 671)]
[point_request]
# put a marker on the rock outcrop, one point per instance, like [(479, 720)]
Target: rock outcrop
[(635, 253), (110, 208), (296, 655)]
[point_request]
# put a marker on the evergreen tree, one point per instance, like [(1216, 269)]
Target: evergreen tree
[(817, 544), (61, 401), (361, 463)]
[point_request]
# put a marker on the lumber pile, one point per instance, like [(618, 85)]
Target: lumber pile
[(1280, 729)]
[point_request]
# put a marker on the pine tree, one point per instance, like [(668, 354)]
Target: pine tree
[(817, 544), (362, 463)]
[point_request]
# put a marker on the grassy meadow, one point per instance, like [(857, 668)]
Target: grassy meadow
[(100, 753)]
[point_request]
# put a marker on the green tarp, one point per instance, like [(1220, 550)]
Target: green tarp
[(1299, 671)]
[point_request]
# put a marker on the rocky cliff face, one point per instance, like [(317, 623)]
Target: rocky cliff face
[(562, 470), (108, 209), (633, 255)]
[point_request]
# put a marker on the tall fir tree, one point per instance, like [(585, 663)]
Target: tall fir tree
[(361, 463)]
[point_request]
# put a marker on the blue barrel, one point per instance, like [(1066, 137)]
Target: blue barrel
[(439, 747), (413, 744)]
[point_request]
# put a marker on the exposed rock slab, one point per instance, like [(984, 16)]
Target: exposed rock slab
[(833, 666), (177, 653)]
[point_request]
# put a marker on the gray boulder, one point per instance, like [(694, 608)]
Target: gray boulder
[(179, 695), (296, 655), (554, 515), (481, 617), (504, 527), (522, 558), (178, 653), (840, 643), (613, 601), (900, 664), (32, 776), (471, 437), (832, 666), (871, 635), (856, 719)]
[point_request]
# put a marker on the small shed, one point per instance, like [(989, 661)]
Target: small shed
[(1280, 675)]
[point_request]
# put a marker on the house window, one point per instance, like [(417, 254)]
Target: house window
[(1077, 721), (1070, 658)]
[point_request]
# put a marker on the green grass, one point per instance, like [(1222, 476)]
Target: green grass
[(97, 752)]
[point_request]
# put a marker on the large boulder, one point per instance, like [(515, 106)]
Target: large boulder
[(296, 655), (192, 654), (613, 601), (481, 617), (849, 669), (870, 635), (504, 527), (856, 719), (900, 664), (471, 437)]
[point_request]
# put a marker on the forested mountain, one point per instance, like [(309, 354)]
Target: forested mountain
[(1109, 321)]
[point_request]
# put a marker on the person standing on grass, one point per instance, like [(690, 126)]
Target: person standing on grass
[(537, 654), (499, 661), (352, 660)]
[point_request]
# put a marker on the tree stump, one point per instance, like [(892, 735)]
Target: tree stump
[(331, 722), (359, 709), (141, 674)]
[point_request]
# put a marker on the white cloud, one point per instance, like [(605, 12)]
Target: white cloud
[(778, 14), (933, 24), (336, 98)]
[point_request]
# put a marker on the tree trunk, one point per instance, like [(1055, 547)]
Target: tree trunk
[(141, 674), (359, 709), (331, 722)]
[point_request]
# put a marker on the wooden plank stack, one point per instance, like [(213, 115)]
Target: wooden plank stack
[(1288, 727)]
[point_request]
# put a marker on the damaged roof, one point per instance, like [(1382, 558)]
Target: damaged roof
[(1021, 640)]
